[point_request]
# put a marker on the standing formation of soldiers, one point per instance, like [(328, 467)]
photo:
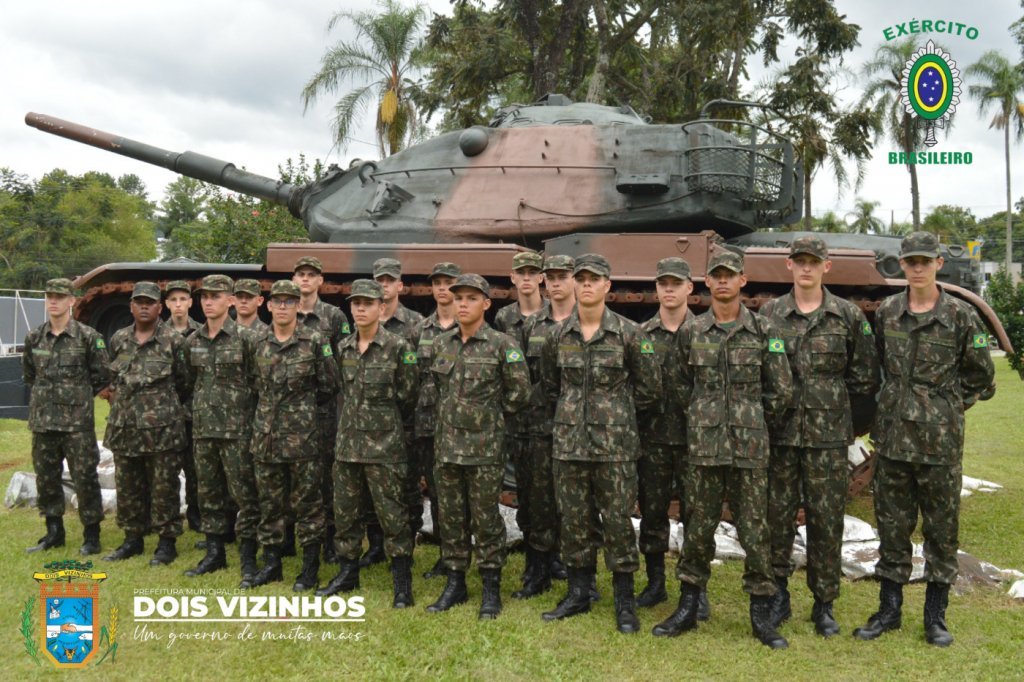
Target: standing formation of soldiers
[(308, 429)]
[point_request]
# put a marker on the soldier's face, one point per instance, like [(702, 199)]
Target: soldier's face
[(526, 280), (178, 303), (470, 305), (559, 284), (440, 287), (308, 279), (392, 287), (725, 284), (215, 303), (921, 271), (145, 310), (284, 309), (247, 304), (591, 288), (366, 311), (672, 291), (58, 305), (808, 270)]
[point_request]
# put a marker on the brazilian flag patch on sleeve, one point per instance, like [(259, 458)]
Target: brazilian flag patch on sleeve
[(327, 350), (100, 344), (345, 329), (513, 355), (409, 358), (646, 347), (865, 328), (776, 346), (981, 340)]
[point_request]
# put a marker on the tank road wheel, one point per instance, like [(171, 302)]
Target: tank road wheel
[(110, 314)]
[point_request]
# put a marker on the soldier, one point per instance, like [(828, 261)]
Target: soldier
[(178, 298), (831, 353), (296, 376), (480, 374), (66, 364), (223, 377), (248, 299), (378, 393), (146, 426), (442, 277), (397, 319), (734, 382), (598, 369), (934, 350)]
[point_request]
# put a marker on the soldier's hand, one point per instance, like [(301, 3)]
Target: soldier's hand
[(107, 394)]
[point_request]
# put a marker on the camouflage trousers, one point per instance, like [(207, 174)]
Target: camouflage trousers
[(517, 451), (149, 493), (903, 489), (295, 486), (656, 479), (49, 450), (540, 488), (327, 426), (585, 490), (188, 467), (818, 477), (467, 498), (412, 497), (227, 484), (747, 491), (421, 463), (386, 484)]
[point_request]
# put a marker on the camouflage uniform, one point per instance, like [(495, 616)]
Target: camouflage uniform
[(251, 287), (64, 373), (188, 461)]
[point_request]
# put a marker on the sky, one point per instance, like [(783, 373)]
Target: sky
[(223, 78)]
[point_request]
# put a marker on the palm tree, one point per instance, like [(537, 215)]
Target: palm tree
[(378, 68), (1002, 82), (864, 219)]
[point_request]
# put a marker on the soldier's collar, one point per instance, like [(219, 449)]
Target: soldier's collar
[(72, 329), (786, 304), (943, 311)]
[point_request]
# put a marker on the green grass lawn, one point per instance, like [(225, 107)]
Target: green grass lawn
[(988, 625)]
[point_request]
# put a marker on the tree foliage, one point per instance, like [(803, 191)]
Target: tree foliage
[(1007, 300)]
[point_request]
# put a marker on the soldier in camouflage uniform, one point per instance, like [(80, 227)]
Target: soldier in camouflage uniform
[(831, 352), (146, 426), (178, 299), (598, 369), (378, 393), (734, 383), (442, 277), (481, 374), (296, 376), (936, 362), (223, 376), (65, 363), (248, 299)]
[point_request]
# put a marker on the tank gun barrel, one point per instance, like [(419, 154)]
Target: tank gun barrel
[(190, 164)]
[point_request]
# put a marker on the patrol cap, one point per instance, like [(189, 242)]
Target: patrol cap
[(60, 285), (446, 269), (673, 266), (366, 288), (474, 281), (559, 262), (146, 290), (387, 266), (593, 262), (527, 259), (726, 259), (285, 287), (812, 245), (920, 244), (216, 283), (309, 262), (248, 286), (177, 285)]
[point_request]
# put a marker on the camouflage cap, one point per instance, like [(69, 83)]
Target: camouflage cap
[(177, 285), (673, 266), (248, 286), (60, 285), (559, 262), (285, 287), (366, 288), (474, 281), (216, 283), (593, 262), (309, 262), (920, 244), (527, 259), (812, 245), (387, 266), (446, 269), (726, 259), (146, 290)]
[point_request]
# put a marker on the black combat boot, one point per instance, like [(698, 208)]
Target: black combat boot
[(703, 606), (54, 535), (214, 560), (654, 592), (824, 622), (375, 551), (558, 570), (782, 610), (761, 623), (625, 604), (346, 580), (576, 600), (889, 614), (330, 555), (684, 617), (539, 581), (936, 598), (132, 546), (271, 571), (490, 603), (90, 539), (166, 552), (401, 580), (309, 577), (247, 558), (454, 593), (592, 592), (530, 566), (288, 546), (436, 571)]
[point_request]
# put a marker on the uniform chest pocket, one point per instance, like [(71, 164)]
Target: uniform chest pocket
[(479, 369), (425, 350), (705, 368), (935, 360), (607, 367), (534, 346), (378, 383), (571, 363), (200, 358), (744, 365), (349, 371), (827, 353), (299, 373), (71, 364)]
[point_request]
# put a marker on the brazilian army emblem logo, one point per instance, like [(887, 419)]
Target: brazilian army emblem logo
[(930, 88)]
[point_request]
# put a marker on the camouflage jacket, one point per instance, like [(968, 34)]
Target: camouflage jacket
[(535, 330), (734, 385), (223, 380), (151, 390), (65, 372), (191, 329), (329, 320), (293, 379), (426, 333), (665, 422), (510, 320), (832, 355), (404, 323), (378, 394), (936, 365), (477, 382), (597, 386), (258, 327)]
